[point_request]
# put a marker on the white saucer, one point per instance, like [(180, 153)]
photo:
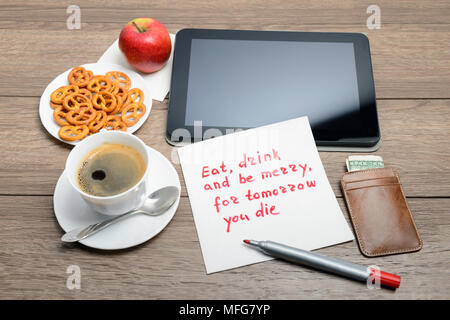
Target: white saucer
[(46, 112), (72, 212)]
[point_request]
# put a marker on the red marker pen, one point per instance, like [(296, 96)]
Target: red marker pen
[(321, 262)]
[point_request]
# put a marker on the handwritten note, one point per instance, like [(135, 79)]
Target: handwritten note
[(266, 183)]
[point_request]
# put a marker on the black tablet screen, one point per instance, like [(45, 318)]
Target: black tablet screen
[(249, 83)]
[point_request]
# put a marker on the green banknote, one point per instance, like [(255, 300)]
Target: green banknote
[(355, 163)]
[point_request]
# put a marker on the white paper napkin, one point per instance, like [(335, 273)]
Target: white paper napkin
[(158, 83)]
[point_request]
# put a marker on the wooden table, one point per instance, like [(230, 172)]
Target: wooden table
[(411, 63)]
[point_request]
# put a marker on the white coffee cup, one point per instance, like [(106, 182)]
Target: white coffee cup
[(116, 204)]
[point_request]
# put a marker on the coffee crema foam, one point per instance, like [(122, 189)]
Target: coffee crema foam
[(110, 169)]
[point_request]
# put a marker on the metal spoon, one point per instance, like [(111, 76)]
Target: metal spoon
[(157, 203)]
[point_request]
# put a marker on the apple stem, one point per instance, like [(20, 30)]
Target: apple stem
[(138, 27)]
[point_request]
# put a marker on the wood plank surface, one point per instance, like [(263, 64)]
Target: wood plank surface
[(410, 59), (207, 12), (415, 135), (411, 64), (34, 263)]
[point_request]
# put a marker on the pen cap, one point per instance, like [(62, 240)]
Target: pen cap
[(386, 279)]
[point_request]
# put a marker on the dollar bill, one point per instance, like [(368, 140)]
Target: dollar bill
[(355, 163)]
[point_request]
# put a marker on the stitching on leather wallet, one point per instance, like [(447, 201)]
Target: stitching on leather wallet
[(369, 170), (370, 179), (360, 172), (353, 220), (374, 186)]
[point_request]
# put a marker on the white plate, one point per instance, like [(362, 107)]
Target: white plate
[(72, 212), (46, 112)]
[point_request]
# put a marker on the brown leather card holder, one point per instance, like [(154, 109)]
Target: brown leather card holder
[(379, 213)]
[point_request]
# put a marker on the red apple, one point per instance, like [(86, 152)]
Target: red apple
[(146, 44)]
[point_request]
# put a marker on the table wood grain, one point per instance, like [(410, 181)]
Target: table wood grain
[(411, 62)]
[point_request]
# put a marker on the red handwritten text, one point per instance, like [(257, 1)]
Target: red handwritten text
[(245, 179), (219, 202), (217, 185), (206, 171), (235, 219), (285, 170), (277, 191), (265, 210), (259, 158)]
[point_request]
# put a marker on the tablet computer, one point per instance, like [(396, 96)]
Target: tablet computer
[(228, 80)]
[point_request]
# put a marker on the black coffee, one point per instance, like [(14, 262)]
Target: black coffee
[(110, 169)]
